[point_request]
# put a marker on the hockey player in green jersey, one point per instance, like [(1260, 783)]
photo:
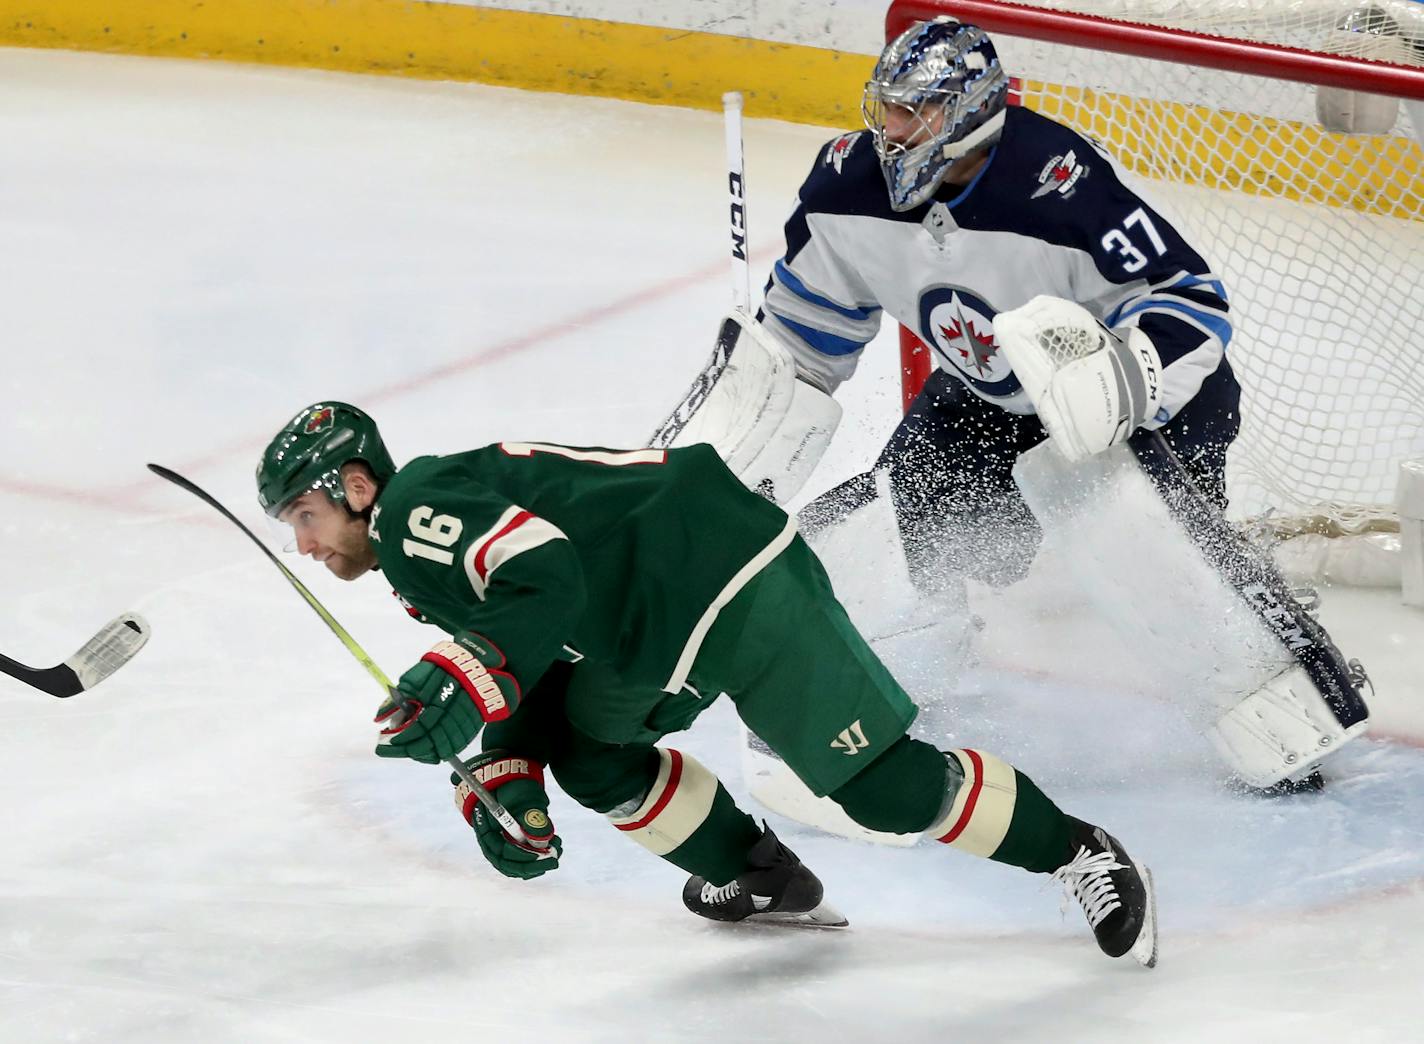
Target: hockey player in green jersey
[(598, 600)]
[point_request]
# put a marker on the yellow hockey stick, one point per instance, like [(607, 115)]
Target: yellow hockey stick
[(501, 814)]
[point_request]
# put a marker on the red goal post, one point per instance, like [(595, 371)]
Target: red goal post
[(1165, 44), (1309, 228)]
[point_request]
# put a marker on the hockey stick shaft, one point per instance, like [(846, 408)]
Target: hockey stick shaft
[(737, 189), (58, 681), (500, 814)]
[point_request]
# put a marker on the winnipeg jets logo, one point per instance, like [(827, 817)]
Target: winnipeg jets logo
[(837, 150), (959, 326), (1060, 175), (976, 350)]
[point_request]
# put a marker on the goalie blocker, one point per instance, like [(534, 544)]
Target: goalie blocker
[(770, 427)]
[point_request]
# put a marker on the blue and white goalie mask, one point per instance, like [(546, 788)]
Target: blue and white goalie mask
[(937, 93)]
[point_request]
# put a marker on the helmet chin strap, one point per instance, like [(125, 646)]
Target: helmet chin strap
[(345, 499), (979, 138)]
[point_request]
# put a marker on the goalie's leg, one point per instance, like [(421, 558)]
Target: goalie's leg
[(950, 462), (1284, 730), (950, 467)]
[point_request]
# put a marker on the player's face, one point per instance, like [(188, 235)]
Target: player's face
[(909, 126), (327, 532)]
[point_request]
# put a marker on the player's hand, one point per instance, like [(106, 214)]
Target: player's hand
[(517, 784), (442, 702)]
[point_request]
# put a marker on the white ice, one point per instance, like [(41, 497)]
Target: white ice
[(204, 847)]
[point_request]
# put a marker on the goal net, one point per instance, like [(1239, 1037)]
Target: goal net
[(1282, 138)]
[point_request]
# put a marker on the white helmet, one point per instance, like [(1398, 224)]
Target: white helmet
[(931, 68)]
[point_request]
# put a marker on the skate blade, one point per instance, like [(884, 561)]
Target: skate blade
[(823, 916), (1144, 948)]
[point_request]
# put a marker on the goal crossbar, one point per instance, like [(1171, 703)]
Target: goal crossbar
[(1168, 45)]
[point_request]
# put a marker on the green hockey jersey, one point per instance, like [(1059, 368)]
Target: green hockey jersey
[(624, 557)]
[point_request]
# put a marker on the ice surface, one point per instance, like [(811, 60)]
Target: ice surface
[(204, 848)]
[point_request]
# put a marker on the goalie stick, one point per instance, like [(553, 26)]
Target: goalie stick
[(500, 814), (737, 208), (727, 335), (702, 386), (114, 645)]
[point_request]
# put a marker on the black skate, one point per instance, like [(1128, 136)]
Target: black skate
[(1310, 784), (776, 889), (1114, 892)]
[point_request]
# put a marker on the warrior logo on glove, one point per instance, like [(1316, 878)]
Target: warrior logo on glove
[(517, 784), (442, 702), (474, 676)]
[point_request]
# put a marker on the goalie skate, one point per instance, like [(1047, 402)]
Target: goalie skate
[(1115, 893), (776, 889)]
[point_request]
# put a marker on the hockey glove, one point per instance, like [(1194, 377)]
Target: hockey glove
[(1090, 387), (442, 702), (517, 784)]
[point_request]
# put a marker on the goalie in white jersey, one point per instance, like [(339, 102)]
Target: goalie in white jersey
[(1057, 304), (989, 207)]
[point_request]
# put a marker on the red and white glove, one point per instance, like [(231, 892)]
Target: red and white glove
[(441, 703), (517, 784)]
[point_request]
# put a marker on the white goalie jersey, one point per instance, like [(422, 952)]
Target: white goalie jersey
[(1048, 215)]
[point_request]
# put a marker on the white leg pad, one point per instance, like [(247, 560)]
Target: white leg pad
[(1281, 731)]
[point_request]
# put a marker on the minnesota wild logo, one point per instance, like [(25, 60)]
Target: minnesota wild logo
[(319, 419)]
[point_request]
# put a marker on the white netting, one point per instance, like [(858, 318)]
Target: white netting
[(1064, 344), (1313, 25), (1318, 236)]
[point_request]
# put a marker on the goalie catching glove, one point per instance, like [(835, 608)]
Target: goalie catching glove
[(442, 702), (517, 784), (1090, 388)]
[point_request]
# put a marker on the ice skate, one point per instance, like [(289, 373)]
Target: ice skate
[(776, 889), (1114, 892), (1310, 784)]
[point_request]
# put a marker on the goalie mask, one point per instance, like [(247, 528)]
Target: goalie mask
[(308, 454), (937, 93)]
